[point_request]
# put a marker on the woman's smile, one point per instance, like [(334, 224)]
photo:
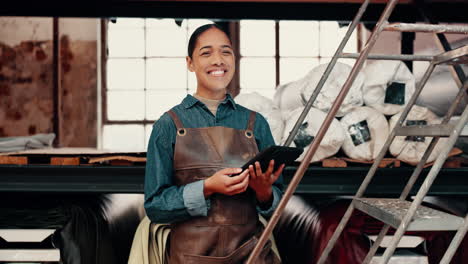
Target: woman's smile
[(213, 62)]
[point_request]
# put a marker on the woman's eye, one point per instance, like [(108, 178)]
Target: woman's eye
[(205, 54), (227, 52)]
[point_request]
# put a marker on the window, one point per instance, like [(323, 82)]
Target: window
[(274, 53), (146, 74), (146, 71)]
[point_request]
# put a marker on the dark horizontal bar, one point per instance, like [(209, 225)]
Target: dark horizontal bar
[(130, 179), (442, 11)]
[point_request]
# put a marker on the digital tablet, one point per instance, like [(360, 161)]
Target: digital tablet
[(280, 154)]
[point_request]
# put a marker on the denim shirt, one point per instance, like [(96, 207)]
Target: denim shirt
[(166, 202)]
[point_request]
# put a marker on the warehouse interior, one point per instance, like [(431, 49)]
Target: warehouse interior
[(81, 85)]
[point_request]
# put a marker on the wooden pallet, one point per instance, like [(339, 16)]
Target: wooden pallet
[(72, 157), (119, 159), (343, 162)]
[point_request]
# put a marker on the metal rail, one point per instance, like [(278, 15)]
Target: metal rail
[(390, 57), (406, 27), (425, 188), (327, 72), (415, 175)]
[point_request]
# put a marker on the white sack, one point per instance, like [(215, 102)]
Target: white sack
[(366, 131), (388, 86), (288, 97), (412, 149), (255, 102), (332, 88), (276, 124), (263, 105), (331, 142)]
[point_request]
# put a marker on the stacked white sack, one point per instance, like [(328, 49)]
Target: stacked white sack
[(331, 142), (255, 102), (332, 88), (288, 97), (411, 149), (388, 86), (366, 131), (263, 105)]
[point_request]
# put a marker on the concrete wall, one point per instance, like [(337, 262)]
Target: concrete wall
[(26, 78)]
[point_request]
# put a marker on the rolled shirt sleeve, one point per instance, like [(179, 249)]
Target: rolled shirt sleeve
[(194, 199)]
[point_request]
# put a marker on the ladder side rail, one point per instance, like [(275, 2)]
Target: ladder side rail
[(428, 28), (402, 57), (320, 134), (426, 185), (426, 13), (416, 173), (456, 241), (376, 244), (434, 140), (374, 166), (327, 72)]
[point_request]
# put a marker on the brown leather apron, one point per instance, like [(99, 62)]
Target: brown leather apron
[(230, 231)]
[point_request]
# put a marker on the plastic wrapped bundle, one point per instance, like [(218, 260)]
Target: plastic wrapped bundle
[(255, 102), (332, 88), (410, 149), (388, 86), (276, 124), (288, 97), (263, 105), (331, 142), (366, 130)]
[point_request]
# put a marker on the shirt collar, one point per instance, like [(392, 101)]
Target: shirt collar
[(190, 101)]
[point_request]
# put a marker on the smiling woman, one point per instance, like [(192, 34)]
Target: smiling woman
[(213, 63), (193, 177)]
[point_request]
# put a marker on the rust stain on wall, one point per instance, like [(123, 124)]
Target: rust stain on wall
[(66, 54), (79, 94), (26, 90), (20, 88)]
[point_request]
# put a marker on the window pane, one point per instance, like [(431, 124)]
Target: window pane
[(194, 24), (148, 130), (292, 69), (126, 42), (330, 37), (257, 38), (126, 23), (165, 73), (158, 102), (125, 74), (124, 137), (165, 38), (257, 73), (299, 38), (153, 23), (124, 105)]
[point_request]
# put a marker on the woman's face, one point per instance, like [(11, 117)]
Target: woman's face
[(213, 63)]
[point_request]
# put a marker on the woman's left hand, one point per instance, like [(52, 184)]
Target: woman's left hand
[(261, 182)]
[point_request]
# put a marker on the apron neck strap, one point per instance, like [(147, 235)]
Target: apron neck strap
[(176, 119), (251, 123)]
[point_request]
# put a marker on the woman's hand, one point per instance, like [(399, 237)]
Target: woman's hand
[(261, 182), (222, 182)]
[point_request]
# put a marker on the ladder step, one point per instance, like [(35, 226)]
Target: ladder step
[(30, 255), (425, 130), (431, 28), (452, 57), (392, 212)]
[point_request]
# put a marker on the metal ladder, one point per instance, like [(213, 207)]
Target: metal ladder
[(398, 213)]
